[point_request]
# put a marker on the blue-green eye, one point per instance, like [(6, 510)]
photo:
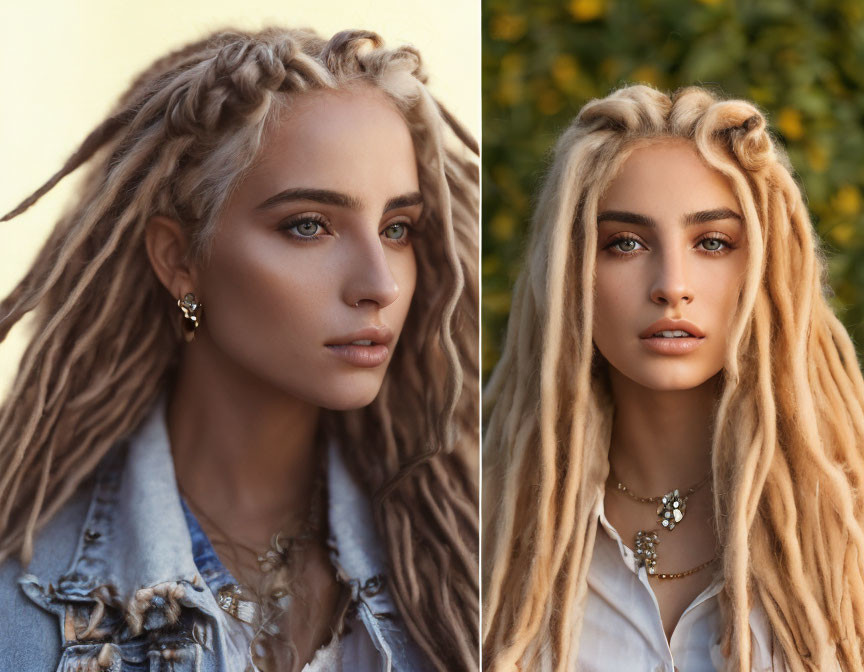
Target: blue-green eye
[(308, 228), (396, 231), (712, 244), (624, 245)]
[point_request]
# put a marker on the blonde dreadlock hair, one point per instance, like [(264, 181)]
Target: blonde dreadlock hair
[(180, 138), (786, 448)]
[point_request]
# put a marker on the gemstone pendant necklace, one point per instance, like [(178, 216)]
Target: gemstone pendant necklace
[(670, 512)]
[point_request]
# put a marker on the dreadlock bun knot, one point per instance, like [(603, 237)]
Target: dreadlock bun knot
[(347, 51), (746, 132), (408, 60), (634, 110)]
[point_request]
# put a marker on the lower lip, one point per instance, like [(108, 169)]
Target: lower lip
[(364, 356), (672, 346)]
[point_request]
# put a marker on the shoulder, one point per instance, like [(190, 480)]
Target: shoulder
[(30, 633)]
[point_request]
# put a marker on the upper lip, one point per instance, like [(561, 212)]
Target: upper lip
[(672, 325), (378, 334)]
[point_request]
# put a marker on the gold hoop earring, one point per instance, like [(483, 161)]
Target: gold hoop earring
[(191, 315)]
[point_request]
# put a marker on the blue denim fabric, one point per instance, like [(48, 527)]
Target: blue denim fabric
[(122, 553), (214, 573)]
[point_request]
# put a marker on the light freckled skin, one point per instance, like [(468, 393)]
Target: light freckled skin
[(663, 403), (669, 272), (273, 299), (286, 278)]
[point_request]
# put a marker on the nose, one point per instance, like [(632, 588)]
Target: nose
[(673, 283), (370, 279)]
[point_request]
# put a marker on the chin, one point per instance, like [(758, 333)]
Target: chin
[(348, 397), (348, 404), (667, 377), (672, 384)]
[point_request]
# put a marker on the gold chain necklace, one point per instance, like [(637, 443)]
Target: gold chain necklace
[(670, 513), (239, 600), (688, 572)]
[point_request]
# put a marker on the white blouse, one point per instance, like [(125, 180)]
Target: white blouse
[(352, 652), (622, 629)]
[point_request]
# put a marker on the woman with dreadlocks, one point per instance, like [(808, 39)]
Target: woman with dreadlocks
[(215, 455), (673, 466)]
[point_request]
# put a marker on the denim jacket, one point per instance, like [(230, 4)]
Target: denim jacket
[(113, 583)]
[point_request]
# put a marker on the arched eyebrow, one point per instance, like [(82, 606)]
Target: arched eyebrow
[(404, 201), (336, 198), (318, 195), (690, 219), (711, 216)]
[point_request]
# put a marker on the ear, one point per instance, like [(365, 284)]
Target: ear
[(167, 248)]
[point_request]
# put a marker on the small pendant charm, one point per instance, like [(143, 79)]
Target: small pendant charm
[(671, 509), (231, 600), (646, 550)]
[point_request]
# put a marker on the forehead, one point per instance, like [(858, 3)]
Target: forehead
[(668, 175), (352, 141)]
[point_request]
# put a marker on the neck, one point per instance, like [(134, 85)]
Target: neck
[(244, 452), (661, 440)]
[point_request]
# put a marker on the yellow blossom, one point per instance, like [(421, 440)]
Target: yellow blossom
[(507, 27), (846, 201), (843, 233), (790, 123), (502, 226), (509, 92), (587, 10), (565, 70)]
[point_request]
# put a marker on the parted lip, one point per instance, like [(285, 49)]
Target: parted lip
[(672, 325), (378, 334)]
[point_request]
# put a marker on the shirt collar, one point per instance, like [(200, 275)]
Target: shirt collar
[(629, 557), (136, 533)]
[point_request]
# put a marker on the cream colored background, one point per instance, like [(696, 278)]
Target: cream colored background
[(63, 64)]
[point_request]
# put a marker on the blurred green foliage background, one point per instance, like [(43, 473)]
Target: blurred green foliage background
[(801, 62)]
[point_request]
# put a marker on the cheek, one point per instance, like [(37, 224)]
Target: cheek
[(722, 285), (255, 292), (408, 275), (614, 296), (403, 267)]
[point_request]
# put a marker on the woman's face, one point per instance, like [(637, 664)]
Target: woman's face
[(313, 269), (670, 246)]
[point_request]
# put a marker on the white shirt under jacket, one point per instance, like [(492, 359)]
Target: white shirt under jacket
[(622, 629)]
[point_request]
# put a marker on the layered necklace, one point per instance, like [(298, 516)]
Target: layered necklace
[(242, 600), (670, 510), (267, 600)]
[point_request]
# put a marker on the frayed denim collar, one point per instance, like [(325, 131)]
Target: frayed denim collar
[(135, 550)]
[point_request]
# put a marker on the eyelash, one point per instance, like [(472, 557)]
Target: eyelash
[(406, 237), (291, 227), (727, 245)]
